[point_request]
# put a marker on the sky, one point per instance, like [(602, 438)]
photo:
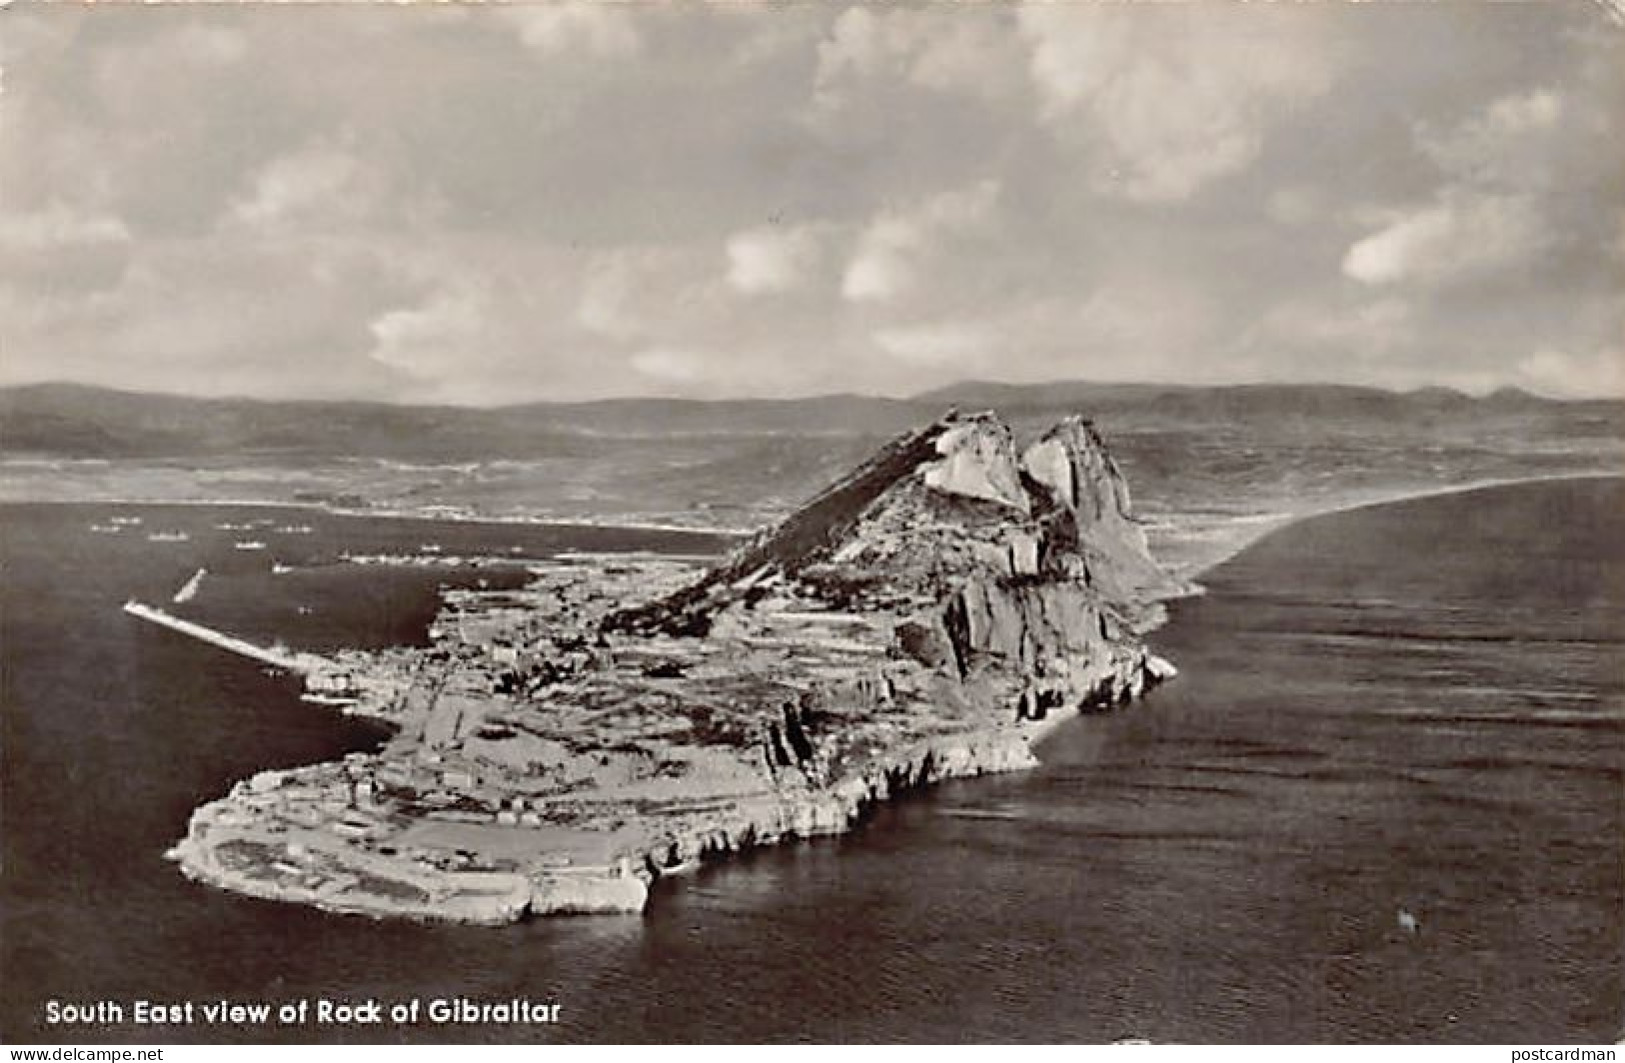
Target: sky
[(482, 205)]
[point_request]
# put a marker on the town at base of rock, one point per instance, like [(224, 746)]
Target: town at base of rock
[(562, 747)]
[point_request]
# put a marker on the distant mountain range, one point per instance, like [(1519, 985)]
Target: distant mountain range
[(72, 420)]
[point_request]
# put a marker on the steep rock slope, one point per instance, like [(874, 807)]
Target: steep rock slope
[(927, 616), (1023, 569)]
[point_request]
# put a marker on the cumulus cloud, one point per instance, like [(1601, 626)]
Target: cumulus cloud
[(214, 44), (424, 340), (669, 365), (961, 344), (1365, 328), (61, 251), (1463, 235), (590, 27), (895, 246), (59, 225), (1598, 373), (959, 50), (313, 185), (1489, 215), (1502, 143), (1174, 99), (513, 198), (773, 259), (608, 304)]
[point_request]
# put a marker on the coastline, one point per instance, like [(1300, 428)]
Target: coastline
[(1251, 527), (1260, 526), (930, 615), (621, 880), (1064, 842), (427, 515), (621, 883)]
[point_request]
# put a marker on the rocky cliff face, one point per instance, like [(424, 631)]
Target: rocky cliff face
[(928, 616), (1023, 571)]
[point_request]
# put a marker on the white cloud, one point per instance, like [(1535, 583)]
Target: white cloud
[(964, 50), (881, 269), (428, 339), (1363, 329), (1600, 373), (569, 209), (1175, 98), (669, 365), (314, 186), (655, 295), (893, 249), (1136, 328), (210, 44), (1295, 205), (1491, 213), (608, 304), (561, 27), (57, 226), (961, 343), (1462, 235), (773, 259), (1503, 143), (855, 45)]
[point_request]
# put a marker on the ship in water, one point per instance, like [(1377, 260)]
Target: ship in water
[(249, 544), (295, 529), (188, 589), (168, 537)]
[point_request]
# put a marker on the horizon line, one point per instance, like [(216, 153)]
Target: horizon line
[(923, 396)]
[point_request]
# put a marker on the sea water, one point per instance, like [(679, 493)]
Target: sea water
[(1381, 802)]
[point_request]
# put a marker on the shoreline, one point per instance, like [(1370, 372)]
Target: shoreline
[(627, 868), (1260, 526), (595, 523), (621, 883), (1256, 525), (625, 873)]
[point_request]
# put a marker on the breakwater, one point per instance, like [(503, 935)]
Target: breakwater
[(291, 660)]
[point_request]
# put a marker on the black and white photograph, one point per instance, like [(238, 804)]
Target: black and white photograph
[(598, 522)]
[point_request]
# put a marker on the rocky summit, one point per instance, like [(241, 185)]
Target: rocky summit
[(561, 748)]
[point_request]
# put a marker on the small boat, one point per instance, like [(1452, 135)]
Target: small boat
[(279, 569), (249, 544), (229, 526), (126, 520), (430, 548), (106, 529), (168, 537), (188, 589), (295, 529)]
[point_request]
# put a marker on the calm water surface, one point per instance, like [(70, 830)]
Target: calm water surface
[(1416, 707)]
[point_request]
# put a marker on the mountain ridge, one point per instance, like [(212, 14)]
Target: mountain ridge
[(86, 421)]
